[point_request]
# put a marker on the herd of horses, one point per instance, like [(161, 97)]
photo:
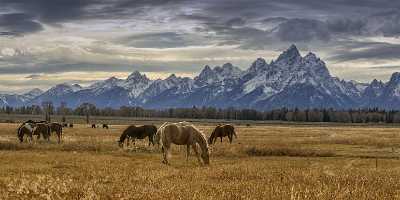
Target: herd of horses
[(181, 133), (39, 128)]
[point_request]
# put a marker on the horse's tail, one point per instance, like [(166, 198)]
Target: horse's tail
[(20, 134), (233, 131)]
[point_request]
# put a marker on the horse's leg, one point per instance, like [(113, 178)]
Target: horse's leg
[(196, 152), (221, 139), (230, 138), (165, 151), (187, 152)]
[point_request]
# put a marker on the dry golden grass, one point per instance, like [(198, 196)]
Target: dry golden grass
[(265, 162)]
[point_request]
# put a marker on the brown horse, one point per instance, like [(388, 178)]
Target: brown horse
[(222, 131), (58, 128), (42, 129), (25, 128), (183, 134), (105, 126), (138, 132)]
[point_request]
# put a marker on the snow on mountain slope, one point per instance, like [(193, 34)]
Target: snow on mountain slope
[(290, 81)]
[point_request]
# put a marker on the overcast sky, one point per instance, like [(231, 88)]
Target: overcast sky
[(45, 42)]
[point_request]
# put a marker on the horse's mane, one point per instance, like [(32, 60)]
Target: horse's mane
[(202, 138), (160, 132)]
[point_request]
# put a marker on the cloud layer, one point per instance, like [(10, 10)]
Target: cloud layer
[(43, 38)]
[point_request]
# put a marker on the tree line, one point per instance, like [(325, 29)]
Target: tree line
[(371, 115)]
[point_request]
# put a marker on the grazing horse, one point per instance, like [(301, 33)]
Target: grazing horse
[(183, 134), (222, 131), (105, 126), (157, 136), (58, 128), (44, 129), (138, 132), (25, 128)]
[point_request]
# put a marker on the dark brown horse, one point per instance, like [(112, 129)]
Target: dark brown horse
[(105, 126), (42, 129), (138, 132), (222, 131), (58, 128)]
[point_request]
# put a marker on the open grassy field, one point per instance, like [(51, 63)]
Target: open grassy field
[(276, 161)]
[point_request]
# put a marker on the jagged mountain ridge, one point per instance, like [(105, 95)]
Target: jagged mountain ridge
[(290, 81)]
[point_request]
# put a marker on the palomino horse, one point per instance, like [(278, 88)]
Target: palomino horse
[(25, 128), (183, 134), (222, 131), (138, 132), (58, 128)]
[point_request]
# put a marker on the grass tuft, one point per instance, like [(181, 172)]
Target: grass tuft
[(287, 151)]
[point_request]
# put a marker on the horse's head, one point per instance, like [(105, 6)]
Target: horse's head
[(210, 139), (205, 155), (157, 135)]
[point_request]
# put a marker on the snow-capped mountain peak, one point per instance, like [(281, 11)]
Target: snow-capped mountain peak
[(33, 93), (395, 79), (136, 77), (259, 64), (290, 56), (65, 88), (290, 81)]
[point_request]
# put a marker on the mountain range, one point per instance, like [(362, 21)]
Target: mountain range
[(292, 80)]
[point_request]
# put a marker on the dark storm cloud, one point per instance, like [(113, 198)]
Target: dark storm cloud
[(249, 24), (51, 11), (57, 11), (236, 22), (34, 76), (295, 30), (18, 24), (158, 40), (347, 26), (274, 20), (387, 23), (371, 51)]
